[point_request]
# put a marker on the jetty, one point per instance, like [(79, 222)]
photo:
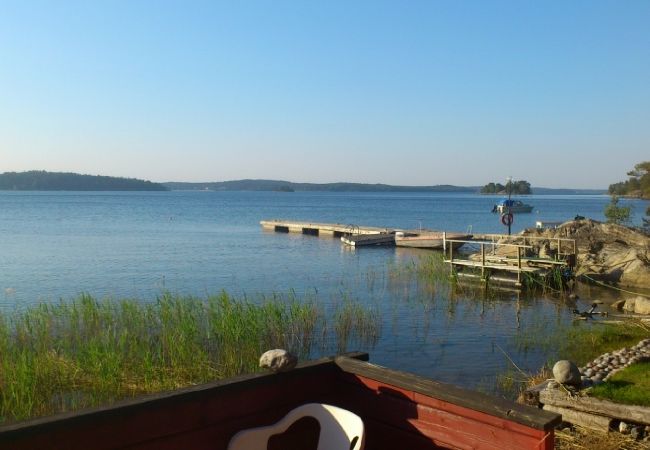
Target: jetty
[(322, 229)]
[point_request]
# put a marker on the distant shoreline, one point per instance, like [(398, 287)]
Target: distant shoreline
[(65, 181)]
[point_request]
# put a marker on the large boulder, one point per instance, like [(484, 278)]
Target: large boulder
[(566, 372), (606, 252)]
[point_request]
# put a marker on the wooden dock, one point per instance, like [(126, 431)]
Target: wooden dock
[(507, 258), (322, 229)]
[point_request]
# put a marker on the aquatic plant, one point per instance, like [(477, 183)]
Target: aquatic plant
[(86, 352)]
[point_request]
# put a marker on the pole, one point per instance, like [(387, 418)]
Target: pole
[(509, 185)]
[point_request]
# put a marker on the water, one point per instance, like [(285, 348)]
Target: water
[(56, 245)]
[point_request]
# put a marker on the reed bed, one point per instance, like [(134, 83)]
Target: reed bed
[(86, 352)]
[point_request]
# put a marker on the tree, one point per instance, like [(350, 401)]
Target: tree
[(514, 187), (638, 184), (617, 214)]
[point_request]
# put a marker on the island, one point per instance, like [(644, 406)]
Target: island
[(37, 180)]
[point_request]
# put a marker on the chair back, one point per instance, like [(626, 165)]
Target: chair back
[(340, 429)]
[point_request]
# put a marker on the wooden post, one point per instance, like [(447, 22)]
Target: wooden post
[(519, 265), (451, 260), (482, 261)]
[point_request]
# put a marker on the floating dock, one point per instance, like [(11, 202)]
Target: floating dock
[(322, 229)]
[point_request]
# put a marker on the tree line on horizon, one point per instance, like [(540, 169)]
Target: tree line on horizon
[(39, 180), (520, 187)]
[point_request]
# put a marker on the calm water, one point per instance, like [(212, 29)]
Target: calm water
[(57, 245)]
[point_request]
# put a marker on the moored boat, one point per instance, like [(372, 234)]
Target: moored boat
[(399, 411), (429, 239), (512, 206)]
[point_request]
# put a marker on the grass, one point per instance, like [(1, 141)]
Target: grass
[(630, 386), (581, 342), (87, 352)]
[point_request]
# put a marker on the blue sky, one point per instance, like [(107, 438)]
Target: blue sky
[(418, 93)]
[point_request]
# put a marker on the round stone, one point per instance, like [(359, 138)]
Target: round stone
[(566, 372)]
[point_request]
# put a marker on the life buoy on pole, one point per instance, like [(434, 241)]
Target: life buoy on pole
[(507, 219)]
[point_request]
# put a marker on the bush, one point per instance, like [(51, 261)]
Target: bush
[(617, 214)]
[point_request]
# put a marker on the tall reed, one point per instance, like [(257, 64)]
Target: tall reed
[(85, 352)]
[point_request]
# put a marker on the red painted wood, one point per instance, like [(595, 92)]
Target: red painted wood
[(447, 424), (394, 417), (262, 405)]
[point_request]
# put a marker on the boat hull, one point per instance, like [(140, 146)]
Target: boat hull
[(432, 241), (515, 209)]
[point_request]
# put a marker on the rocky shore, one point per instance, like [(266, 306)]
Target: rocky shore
[(606, 252)]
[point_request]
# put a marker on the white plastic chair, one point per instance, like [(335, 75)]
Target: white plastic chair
[(338, 429)]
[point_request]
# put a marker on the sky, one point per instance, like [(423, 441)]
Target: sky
[(410, 93)]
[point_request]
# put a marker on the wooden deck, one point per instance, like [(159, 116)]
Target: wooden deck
[(321, 229), (500, 255)]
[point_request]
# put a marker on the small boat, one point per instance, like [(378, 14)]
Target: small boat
[(429, 239), (513, 206), (398, 411)]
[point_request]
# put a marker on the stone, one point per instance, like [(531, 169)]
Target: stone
[(566, 372), (278, 360), (619, 304), (636, 433), (642, 305), (629, 304), (624, 428)]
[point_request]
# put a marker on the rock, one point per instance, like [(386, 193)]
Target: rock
[(553, 385), (642, 305), (618, 305), (566, 372), (629, 304), (278, 360), (624, 428), (637, 433), (606, 252)]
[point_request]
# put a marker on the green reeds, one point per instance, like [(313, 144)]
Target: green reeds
[(86, 352)]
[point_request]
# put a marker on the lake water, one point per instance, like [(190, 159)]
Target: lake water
[(56, 245)]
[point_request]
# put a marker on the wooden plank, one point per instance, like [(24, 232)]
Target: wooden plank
[(555, 397), (492, 406), (150, 417), (581, 418), (448, 429)]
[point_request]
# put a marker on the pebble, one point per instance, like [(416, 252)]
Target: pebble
[(624, 428), (606, 365)]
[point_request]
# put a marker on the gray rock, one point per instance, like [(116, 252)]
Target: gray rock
[(636, 433), (566, 372), (278, 360), (624, 428), (553, 385)]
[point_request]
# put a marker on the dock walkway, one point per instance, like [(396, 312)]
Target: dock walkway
[(322, 229)]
